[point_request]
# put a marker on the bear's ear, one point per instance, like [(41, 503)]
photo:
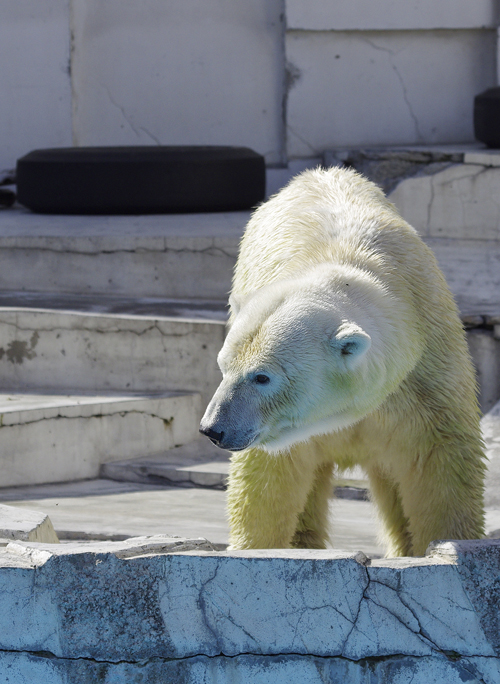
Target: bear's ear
[(235, 304), (351, 344)]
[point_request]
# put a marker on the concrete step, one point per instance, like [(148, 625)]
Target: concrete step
[(26, 525), (199, 463), (102, 344), (178, 255), (193, 255), (55, 438)]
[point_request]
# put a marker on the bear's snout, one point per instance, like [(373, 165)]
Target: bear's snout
[(215, 437), (231, 420), (226, 439)]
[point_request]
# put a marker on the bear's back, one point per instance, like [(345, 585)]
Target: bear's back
[(334, 216)]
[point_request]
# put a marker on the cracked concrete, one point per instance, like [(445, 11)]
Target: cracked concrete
[(419, 137), (391, 104), (136, 129), (283, 615), (461, 202), (102, 352), (149, 255), (73, 435), (23, 667)]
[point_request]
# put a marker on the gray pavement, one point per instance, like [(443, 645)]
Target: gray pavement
[(104, 509)]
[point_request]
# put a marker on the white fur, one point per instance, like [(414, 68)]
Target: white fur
[(344, 347)]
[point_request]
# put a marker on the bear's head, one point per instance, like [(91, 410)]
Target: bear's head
[(301, 359)]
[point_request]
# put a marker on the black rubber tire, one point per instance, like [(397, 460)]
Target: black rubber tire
[(487, 117), (140, 180)]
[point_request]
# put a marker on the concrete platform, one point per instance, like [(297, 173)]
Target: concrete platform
[(199, 463), (104, 509), (74, 346), (54, 438), (192, 256), (180, 256)]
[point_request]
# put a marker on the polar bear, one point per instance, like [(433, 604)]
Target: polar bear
[(344, 348)]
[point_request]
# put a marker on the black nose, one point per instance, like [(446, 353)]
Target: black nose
[(214, 437)]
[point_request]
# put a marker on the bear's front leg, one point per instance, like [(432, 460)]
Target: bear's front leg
[(266, 495)]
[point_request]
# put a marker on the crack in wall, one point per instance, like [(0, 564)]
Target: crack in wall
[(202, 605), (356, 619), (153, 137), (392, 55), (211, 251), (122, 414), (121, 109), (49, 655), (421, 633)]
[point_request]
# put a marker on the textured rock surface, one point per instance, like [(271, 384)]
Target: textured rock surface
[(145, 610)]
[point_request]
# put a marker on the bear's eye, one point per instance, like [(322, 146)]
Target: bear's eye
[(262, 379)]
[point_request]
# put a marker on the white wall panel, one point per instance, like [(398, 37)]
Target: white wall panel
[(179, 72), (384, 88), (358, 15), (35, 102)]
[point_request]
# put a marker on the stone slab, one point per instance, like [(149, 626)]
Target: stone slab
[(180, 256), (133, 547), (458, 201), (20, 227), (124, 605), (55, 438), (26, 525), (96, 352), (483, 157), (192, 309), (199, 463)]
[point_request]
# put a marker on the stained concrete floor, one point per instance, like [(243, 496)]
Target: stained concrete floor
[(106, 509), (97, 509)]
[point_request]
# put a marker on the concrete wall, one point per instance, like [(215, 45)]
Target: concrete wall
[(35, 82), (356, 88), (183, 72), (287, 78), (383, 72), (147, 611)]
